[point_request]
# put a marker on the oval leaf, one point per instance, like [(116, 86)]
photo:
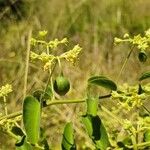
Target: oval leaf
[(147, 136), (31, 118), (103, 81), (140, 90), (144, 76), (38, 94), (142, 56), (96, 131), (68, 142), (23, 145), (92, 104), (21, 141), (88, 124), (17, 131), (103, 142)]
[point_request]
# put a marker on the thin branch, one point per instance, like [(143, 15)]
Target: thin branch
[(125, 62), (27, 63), (7, 9), (5, 105), (13, 115), (54, 102), (104, 96)]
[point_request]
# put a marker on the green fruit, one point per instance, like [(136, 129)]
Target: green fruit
[(142, 56), (45, 96), (61, 85)]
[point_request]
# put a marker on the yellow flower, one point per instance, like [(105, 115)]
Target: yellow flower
[(5, 90)]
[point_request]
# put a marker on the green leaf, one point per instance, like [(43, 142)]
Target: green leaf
[(142, 56), (121, 144), (144, 76), (49, 92), (103, 81), (17, 131), (21, 141), (68, 142), (94, 126), (45, 95), (140, 90), (92, 104), (147, 136), (86, 119), (23, 145), (96, 131), (31, 118)]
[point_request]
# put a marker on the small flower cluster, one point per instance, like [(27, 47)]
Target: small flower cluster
[(5, 90), (42, 33), (49, 59), (7, 124), (56, 42), (142, 42), (144, 122), (72, 55), (45, 58), (51, 44), (127, 124), (129, 98)]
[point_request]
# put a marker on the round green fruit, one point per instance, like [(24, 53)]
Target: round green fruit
[(61, 85)]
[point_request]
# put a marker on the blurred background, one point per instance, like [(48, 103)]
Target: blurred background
[(91, 23)]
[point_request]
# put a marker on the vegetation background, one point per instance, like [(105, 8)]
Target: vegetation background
[(91, 23)]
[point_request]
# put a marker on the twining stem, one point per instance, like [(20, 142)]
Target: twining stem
[(54, 102), (139, 145), (49, 79), (59, 63), (27, 63), (13, 115), (124, 64), (143, 144), (66, 101), (51, 82), (47, 49), (133, 138), (5, 105), (12, 135)]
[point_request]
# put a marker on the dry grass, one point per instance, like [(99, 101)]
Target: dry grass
[(92, 24)]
